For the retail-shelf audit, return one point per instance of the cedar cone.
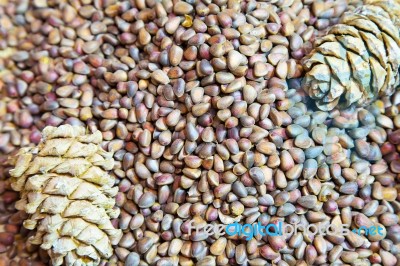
(358, 60)
(68, 194)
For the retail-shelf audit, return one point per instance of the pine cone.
(69, 196)
(359, 58)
